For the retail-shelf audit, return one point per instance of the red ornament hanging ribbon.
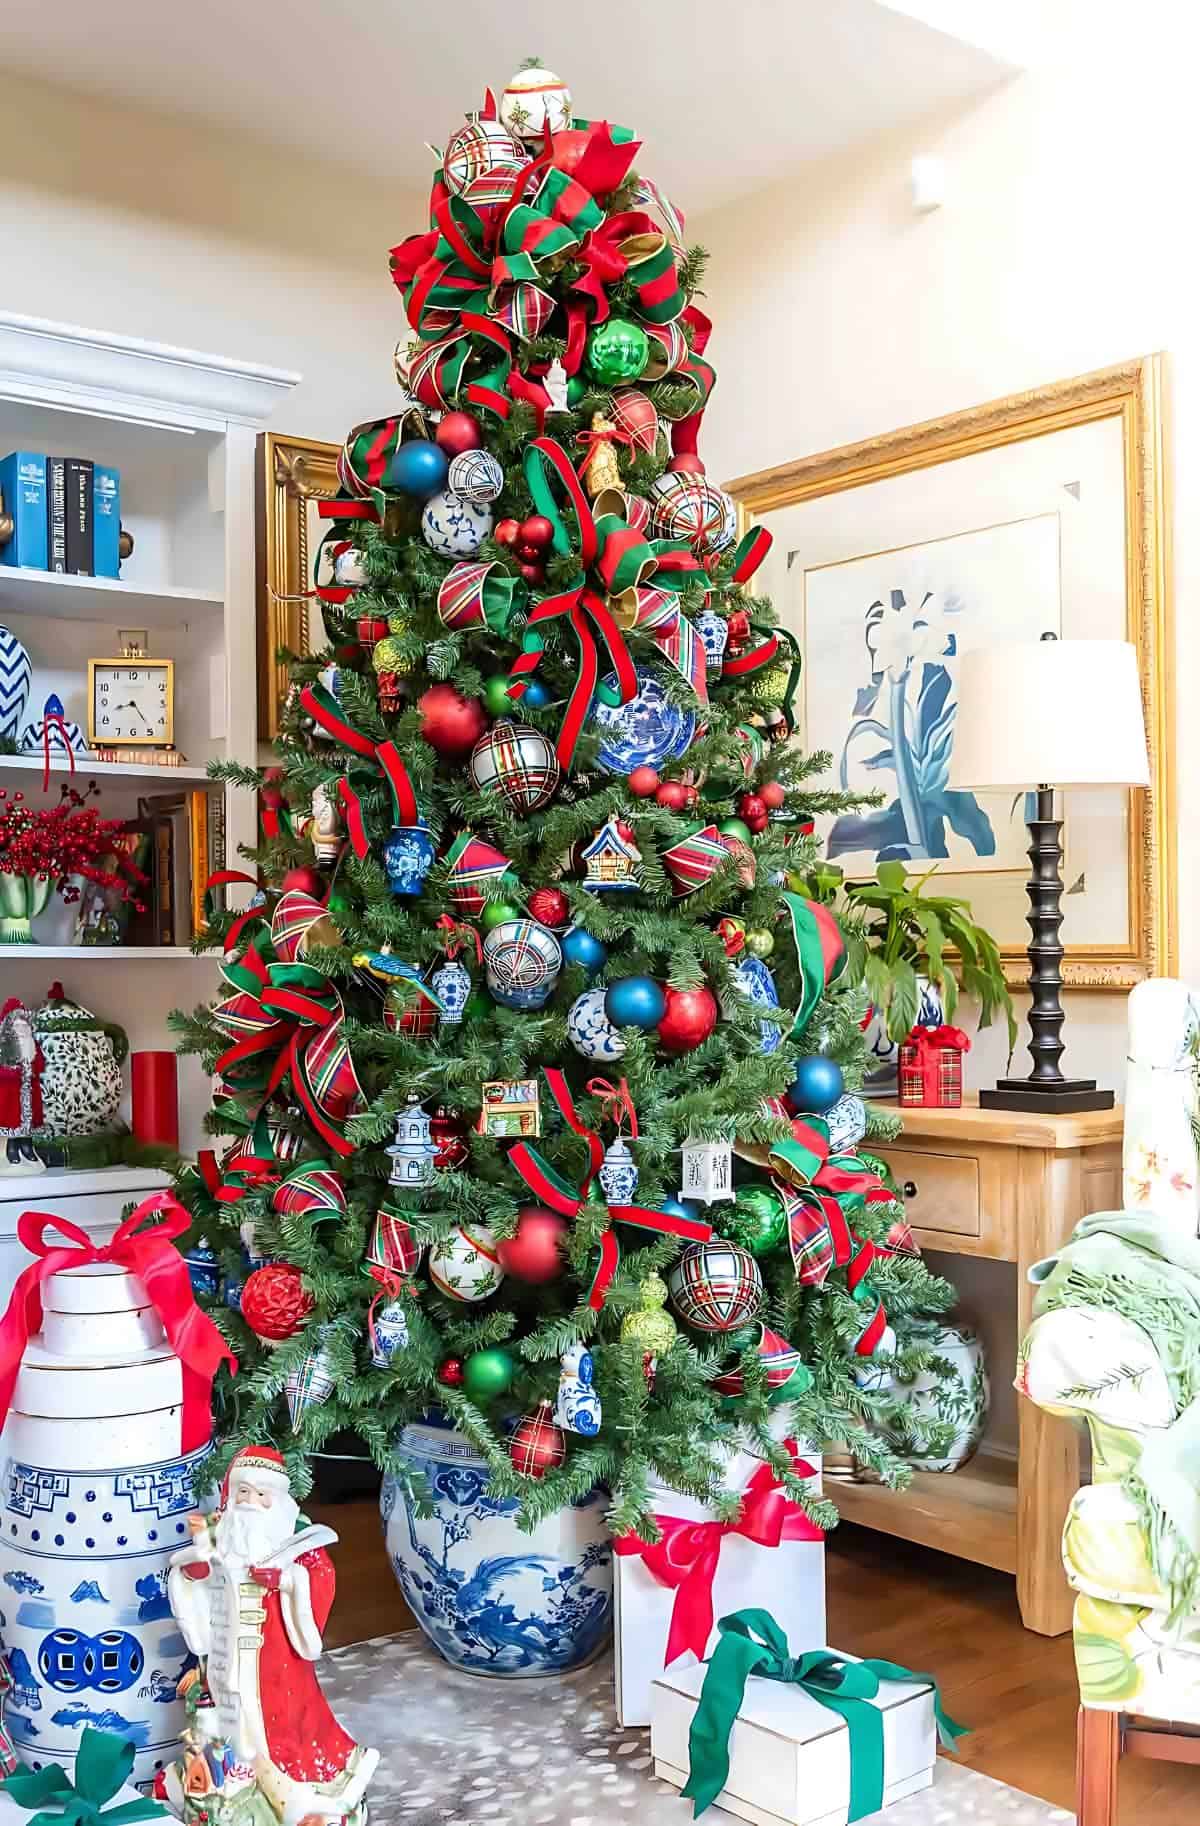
(616, 1104)
(148, 1251)
(687, 1554)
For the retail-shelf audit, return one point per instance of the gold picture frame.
(291, 473)
(1132, 394)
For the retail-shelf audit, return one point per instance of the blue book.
(106, 520)
(23, 486)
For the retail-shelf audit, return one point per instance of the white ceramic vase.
(936, 1421)
(95, 1500)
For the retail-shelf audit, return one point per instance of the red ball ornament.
(693, 796)
(772, 795)
(534, 1253)
(752, 811)
(527, 552)
(274, 1303)
(303, 880)
(625, 831)
(450, 1372)
(688, 463)
(450, 723)
(689, 1018)
(672, 796)
(506, 532)
(643, 782)
(448, 1132)
(537, 1445)
(550, 907)
(537, 531)
(533, 574)
(457, 432)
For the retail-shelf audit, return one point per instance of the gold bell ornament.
(650, 1325)
(599, 468)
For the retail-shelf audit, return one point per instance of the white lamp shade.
(1049, 713)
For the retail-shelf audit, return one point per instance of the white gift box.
(788, 1580)
(789, 1756)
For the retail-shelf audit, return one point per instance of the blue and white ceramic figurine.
(713, 630)
(413, 1152)
(408, 857)
(577, 1407)
(451, 983)
(54, 730)
(618, 1174)
(491, 1598)
(389, 1332)
(846, 1121)
(589, 1029)
(756, 983)
(645, 732)
(203, 1269)
(16, 681)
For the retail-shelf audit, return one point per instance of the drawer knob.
(910, 1188)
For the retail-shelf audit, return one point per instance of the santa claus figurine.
(252, 1594)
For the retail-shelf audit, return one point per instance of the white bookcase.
(180, 427)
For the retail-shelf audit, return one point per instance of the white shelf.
(87, 766)
(67, 1182)
(26, 592)
(107, 952)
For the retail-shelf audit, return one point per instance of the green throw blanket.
(1130, 1263)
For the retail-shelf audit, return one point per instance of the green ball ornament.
(735, 827)
(758, 1221)
(497, 911)
(488, 1374)
(617, 351)
(576, 388)
(760, 942)
(340, 906)
(496, 700)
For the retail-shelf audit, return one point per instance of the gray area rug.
(460, 1751)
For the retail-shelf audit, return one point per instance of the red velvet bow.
(151, 1255)
(934, 1039)
(687, 1554)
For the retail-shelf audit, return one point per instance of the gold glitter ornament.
(389, 656)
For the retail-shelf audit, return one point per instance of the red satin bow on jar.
(151, 1255)
(687, 1554)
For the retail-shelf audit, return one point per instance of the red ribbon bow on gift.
(935, 1039)
(687, 1554)
(151, 1255)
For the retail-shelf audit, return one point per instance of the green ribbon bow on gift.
(104, 1764)
(846, 1687)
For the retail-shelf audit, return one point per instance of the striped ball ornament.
(466, 1265)
(716, 1286)
(517, 763)
(690, 507)
(475, 475)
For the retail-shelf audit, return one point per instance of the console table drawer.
(940, 1191)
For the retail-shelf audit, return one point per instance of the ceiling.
(729, 94)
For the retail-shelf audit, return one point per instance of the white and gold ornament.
(466, 1265)
(534, 99)
(326, 830)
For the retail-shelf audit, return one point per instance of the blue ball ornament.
(536, 695)
(635, 1001)
(817, 1085)
(579, 947)
(418, 468)
(680, 1207)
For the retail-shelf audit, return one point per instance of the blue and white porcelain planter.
(492, 1599)
(883, 1052)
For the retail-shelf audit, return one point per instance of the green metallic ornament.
(760, 942)
(340, 907)
(758, 1221)
(488, 1374)
(576, 388)
(617, 351)
(497, 911)
(496, 700)
(734, 827)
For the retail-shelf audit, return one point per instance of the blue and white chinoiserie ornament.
(756, 983)
(389, 1332)
(618, 1173)
(846, 1121)
(53, 731)
(647, 731)
(589, 1029)
(522, 960)
(611, 861)
(455, 528)
(451, 983)
(491, 1598)
(413, 1153)
(713, 630)
(577, 1407)
(408, 857)
(16, 681)
(203, 1270)
(96, 1497)
(476, 476)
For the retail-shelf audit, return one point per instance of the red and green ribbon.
(326, 712)
(820, 953)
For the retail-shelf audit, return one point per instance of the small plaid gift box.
(931, 1068)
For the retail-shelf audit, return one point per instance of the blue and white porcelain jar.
(451, 983)
(492, 1599)
(408, 857)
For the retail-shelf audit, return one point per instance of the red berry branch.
(66, 840)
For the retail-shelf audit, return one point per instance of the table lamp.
(1043, 715)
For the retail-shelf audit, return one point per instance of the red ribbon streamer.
(151, 1255)
(688, 1553)
(53, 716)
(615, 1103)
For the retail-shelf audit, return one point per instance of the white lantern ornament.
(413, 1152)
(707, 1171)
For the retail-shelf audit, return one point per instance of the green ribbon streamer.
(104, 1764)
(751, 1642)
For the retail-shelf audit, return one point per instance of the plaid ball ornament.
(716, 1286)
(480, 162)
(537, 1445)
(687, 506)
(516, 762)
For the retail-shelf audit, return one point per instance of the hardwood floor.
(908, 1604)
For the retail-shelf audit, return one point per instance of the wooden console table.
(1011, 1187)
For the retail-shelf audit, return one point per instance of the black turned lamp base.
(1065, 1098)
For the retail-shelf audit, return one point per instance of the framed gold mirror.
(1041, 513)
(292, 475)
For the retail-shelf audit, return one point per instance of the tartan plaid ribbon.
(550, 1188)
(312, 1189)
(474, 595)
(325, 711)
(822, 1192)
(364, 458)
(657, 614)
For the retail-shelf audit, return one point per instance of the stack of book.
(66, 514)
(183, 834)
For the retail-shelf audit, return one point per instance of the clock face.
(132, 701)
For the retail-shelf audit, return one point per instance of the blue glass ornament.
(451, 983)
(681, 1207)
(817, 1085)
(536, 695)
(579, 947)
(635, 1001)
(418, 468)
(203, 1271)
(408, 857)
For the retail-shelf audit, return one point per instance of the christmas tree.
(529, 1027)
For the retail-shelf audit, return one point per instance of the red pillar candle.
(156, 1098)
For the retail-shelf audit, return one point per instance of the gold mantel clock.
(131, 700)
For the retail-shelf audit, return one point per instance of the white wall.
(132, 222)
(1066, 243)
